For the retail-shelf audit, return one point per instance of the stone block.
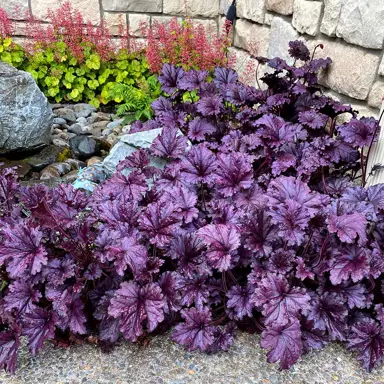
(114, 20)
(161, 19)
(132, 5)
(281, 34)
(268, 18)
(352, 71)
(251, 9)
(210, 26)
(193, 8)
(306, 16)
(138, 24)
(332, 9)
(252, 37)
(381, 67)
(16, 9)
(361, 23)
(40, 8)
(223, 6)
(377, 94)
(284, 7)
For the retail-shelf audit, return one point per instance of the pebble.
(75, 164)
(115, 123)
(94, 160)
(61, 168)
(84, 147)
(71, 176)
(60, 143)
(47, 156)
(49, 173)
(59, 121)
(76, 129)
(82, 121)
(66, 113)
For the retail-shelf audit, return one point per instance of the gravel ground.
(165, 362)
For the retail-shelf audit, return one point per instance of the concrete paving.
(165, 362)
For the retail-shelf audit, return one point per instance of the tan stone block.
(132, 5)
(353, 70)
(251, 9)
(252, 37)
(306, 16)
(89, 8)
(138, 24)
(192, 8)
(377, 94)
(16, 9)
(361, 23)
(114, 21)
(332, 9)
(284, 7)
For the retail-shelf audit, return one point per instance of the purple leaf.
(283, 342)
(135, 305)
(9, 345)
(169, 78)
(222, 241)
(39, 326)
(368, 339)
(350, 262)
(279, 301)
(239, 299)
(24, 250)
(195, 333)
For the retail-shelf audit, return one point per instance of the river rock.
(75, 164)
(84, 147)
(59, 121)
(83, 110)
(22, 168)
(25, 114)
(66, 113)
(47, 156)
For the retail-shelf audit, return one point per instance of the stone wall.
(352, 32)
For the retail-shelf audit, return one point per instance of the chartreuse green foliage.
(62, 77)
(136, 102)
(10, 52)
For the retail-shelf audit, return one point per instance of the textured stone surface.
(306, 16)
(25, 114)
(165, 362)
(192, 8)
(132, 5)
(129, 144)
(284, 7)
(113, 20)
(161, 19)
(376, 95)
(15, 8)
(252, 37)
(281, 34)
(381, 67)
(251, 9)
(361, 23)
(332, 10)
(352, 71)
(138, 24)
(91, 8)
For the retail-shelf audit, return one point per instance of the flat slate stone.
(165, 362)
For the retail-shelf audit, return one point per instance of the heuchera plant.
(188, 44)
(260, 222)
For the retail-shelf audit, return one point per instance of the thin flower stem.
(322, 250)
(323, 181)
(223, 278)
(307, 245)
(232, 277)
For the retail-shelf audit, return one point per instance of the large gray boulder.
(25, 114)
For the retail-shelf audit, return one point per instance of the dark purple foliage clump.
(261, 222)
